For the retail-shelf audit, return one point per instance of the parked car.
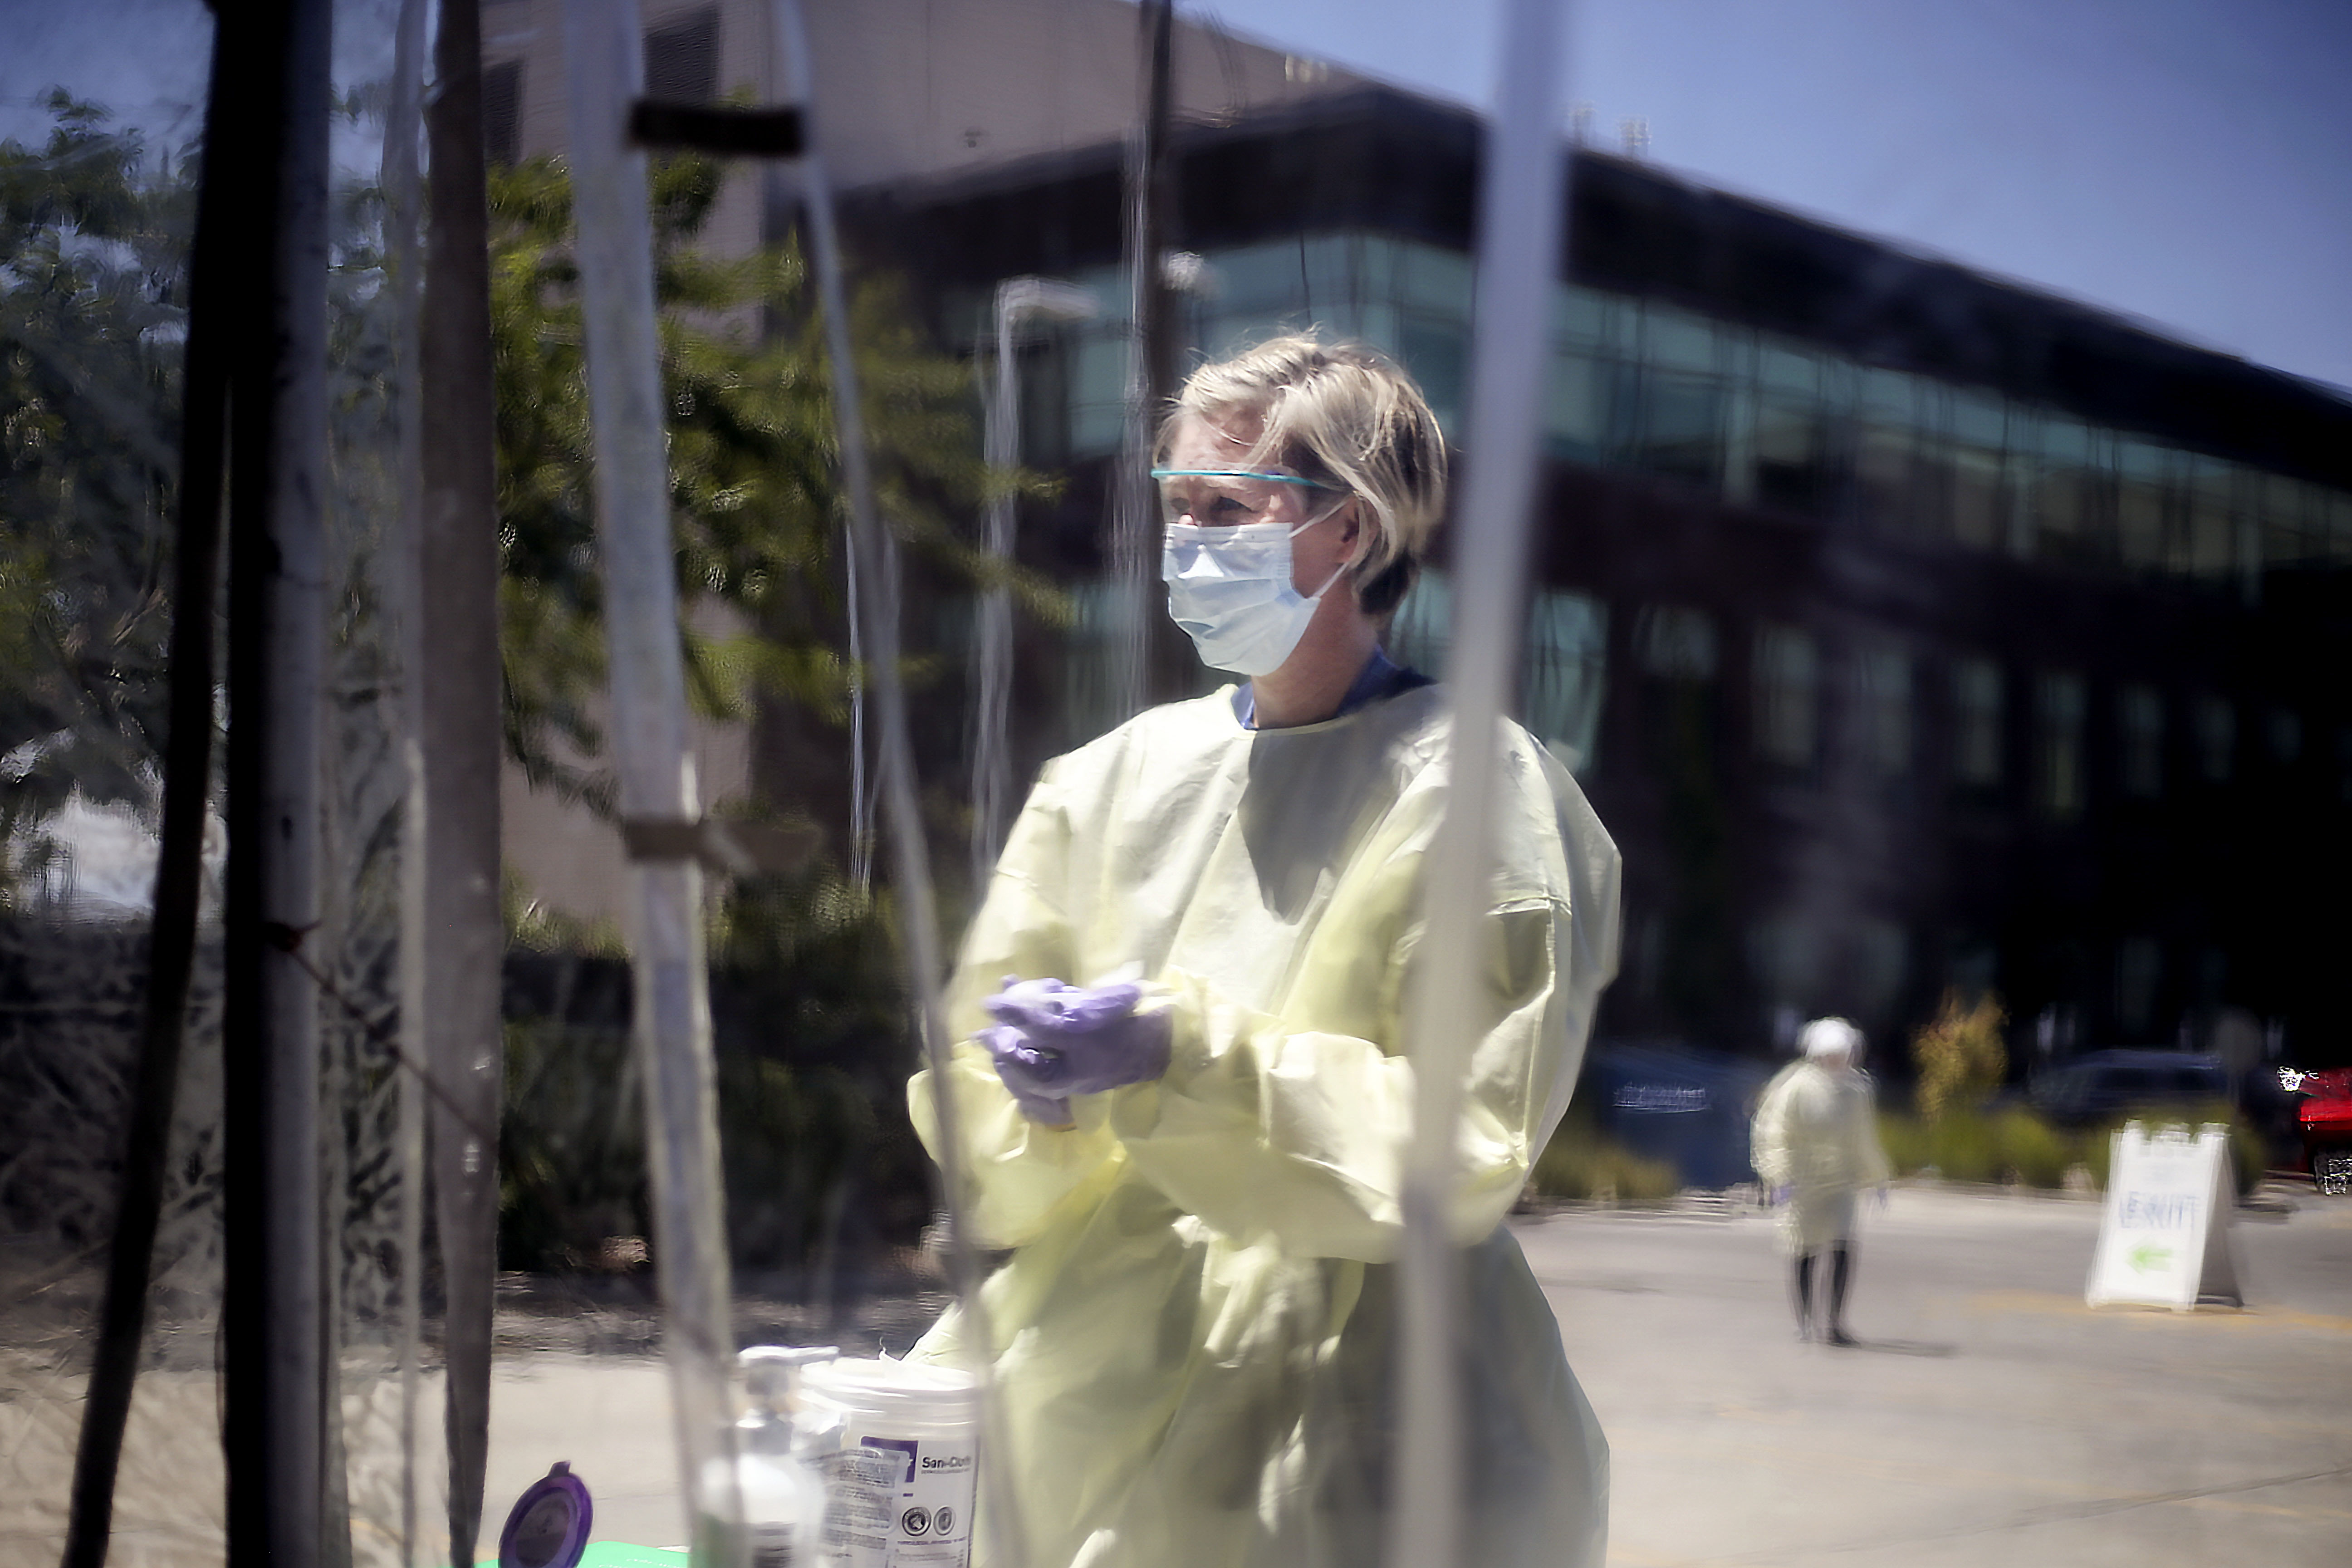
(2323, 1112)
(2100, 1085)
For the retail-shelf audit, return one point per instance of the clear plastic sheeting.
(94, 346)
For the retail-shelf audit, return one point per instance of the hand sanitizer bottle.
(781, 1496)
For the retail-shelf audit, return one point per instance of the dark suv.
(2105, 1084)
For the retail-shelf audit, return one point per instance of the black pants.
(1841, 1273)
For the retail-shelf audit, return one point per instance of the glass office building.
(1909, 629)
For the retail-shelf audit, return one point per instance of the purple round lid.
(549, 1526)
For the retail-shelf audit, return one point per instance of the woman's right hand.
(1053, 1040)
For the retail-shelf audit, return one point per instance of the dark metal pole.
(1152, 358)
(277, 1397)
(457, 675)
(401, 565)
(179, 867)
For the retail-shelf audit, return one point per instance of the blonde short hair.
(1343, 416)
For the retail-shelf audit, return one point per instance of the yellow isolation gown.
(1193, 1334)
(1816, 1134)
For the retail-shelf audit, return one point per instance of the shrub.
(1964, 1147)
(2030, 1151)
(1959, 1057)
(1969, 1146)
(1582, 1162)
(1904, 1139)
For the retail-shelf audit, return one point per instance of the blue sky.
(2188, 162)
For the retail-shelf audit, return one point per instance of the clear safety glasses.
(1224, 498)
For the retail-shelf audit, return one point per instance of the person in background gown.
(1816, 1149)
(1181, 1076)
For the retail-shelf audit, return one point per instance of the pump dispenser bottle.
(782, 1494)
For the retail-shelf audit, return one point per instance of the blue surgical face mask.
(1230, 588)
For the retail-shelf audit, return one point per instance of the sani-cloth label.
(900, 1502)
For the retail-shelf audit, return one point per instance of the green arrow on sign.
(2148, 1256)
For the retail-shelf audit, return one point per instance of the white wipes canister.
(899, 1487)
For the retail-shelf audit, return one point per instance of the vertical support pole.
(875, 559)
(458, 683)
(603, 45)
(993, 630)
(1135, 500)
(179, 864)
(1519, 220)
(404, 226)
(278, 1399)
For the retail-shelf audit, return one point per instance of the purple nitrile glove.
(1053, 1040)
(1780, 1194)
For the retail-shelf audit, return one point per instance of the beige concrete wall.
(908, 88)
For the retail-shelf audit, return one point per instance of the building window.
(1576, 418)
(2217, 739)
(1421, 633)
(1886, 484)
(502, 114)
(2295, 523)
(2139, 966)
(2286, 737)
(682, 59)
(1784, 952)
(2142, 536)
(1436, 350)
(2140, 718)
(1976, 723)
(1882, 681)
(1787, 695)
(1792, 434)
(1091, 705)
(1882, 961)
(1565, 675)
(2058, 702)
(1973, 475)
(2212, 529)
(1676, 643)
(1681, 432)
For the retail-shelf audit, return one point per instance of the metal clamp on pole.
(774, 132)
(740, 848)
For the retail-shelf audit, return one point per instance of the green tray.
(619, 1554)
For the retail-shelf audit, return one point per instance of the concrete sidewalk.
(1992, 1420)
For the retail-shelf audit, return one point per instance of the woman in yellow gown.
(1195, 1150)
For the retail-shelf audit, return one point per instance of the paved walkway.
(1993, 1420)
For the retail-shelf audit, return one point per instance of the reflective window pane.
(2216, 736)
(1976, 723)
(2139, 720)
(1565, 674)
(1882, 710)
(1787, 696)
(2058, 704)
(1678, 339)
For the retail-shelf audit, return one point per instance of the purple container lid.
(549, 1526)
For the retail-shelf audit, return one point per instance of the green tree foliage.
(758, 516)
(94, 243)
(1960, 1056)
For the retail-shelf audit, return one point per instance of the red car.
(2324, 1111)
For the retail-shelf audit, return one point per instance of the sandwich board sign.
(2164, 1240)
